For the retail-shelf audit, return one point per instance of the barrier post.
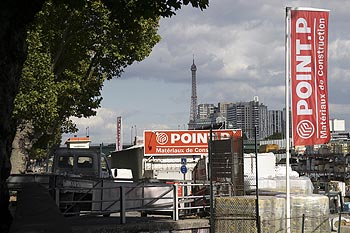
(57, 197)
(339, 222)
(122, 205)
(303, 224)
(176, 203)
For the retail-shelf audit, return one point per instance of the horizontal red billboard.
(183, 142)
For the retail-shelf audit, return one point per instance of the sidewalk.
(37, 212)
(89, 224)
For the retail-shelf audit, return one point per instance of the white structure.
(266, 165)
(78, 142)
(337, 125)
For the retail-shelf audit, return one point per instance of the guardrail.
(177, 200)
(74, 195)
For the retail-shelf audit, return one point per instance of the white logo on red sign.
(305, 129)
(161, 138)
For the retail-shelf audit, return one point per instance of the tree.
(16, 16)
(71, 53)
(35, 103)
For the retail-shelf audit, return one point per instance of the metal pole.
(303, 224)
(185, 191)
(131, 143)
(341, 201)
(339, 223)
(257, 183)
(211, 180)
(122, 205)
(57, 196)
(287, 73)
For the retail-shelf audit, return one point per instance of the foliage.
(37, 98)
(150, 8)
(73, 47)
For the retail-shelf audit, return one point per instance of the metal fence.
(237, 206)
(231, 213)
(238, 211)
(249, 210)
(104, 197)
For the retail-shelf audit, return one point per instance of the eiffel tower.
(193, 110)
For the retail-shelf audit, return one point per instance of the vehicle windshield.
(84, 162)
(66, 161)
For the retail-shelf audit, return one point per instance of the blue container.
(346, 207)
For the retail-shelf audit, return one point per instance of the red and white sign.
(309, 45)
(76, 143)
(183, 142)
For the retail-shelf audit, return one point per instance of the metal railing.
(105, 198)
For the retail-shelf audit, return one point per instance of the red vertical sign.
(119, 141)
(309, 42)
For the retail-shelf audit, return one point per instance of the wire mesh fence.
(231, 217)
(238, 214)
(248, 210)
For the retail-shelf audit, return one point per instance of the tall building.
(193, 109)
(222, 107)
(231, 116)
(253, 115)
(248, 116)
(275, 122)
(205, 111)
(263, 121)
(204, 116)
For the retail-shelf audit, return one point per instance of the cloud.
(239, 51)
(102, 126)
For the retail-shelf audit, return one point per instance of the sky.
(239, 50)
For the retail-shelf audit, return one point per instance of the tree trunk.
(21, 144)
(15, 16)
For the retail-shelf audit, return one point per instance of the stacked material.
(277, 185)
(298, 185)
(238, 214)
(316, 210)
